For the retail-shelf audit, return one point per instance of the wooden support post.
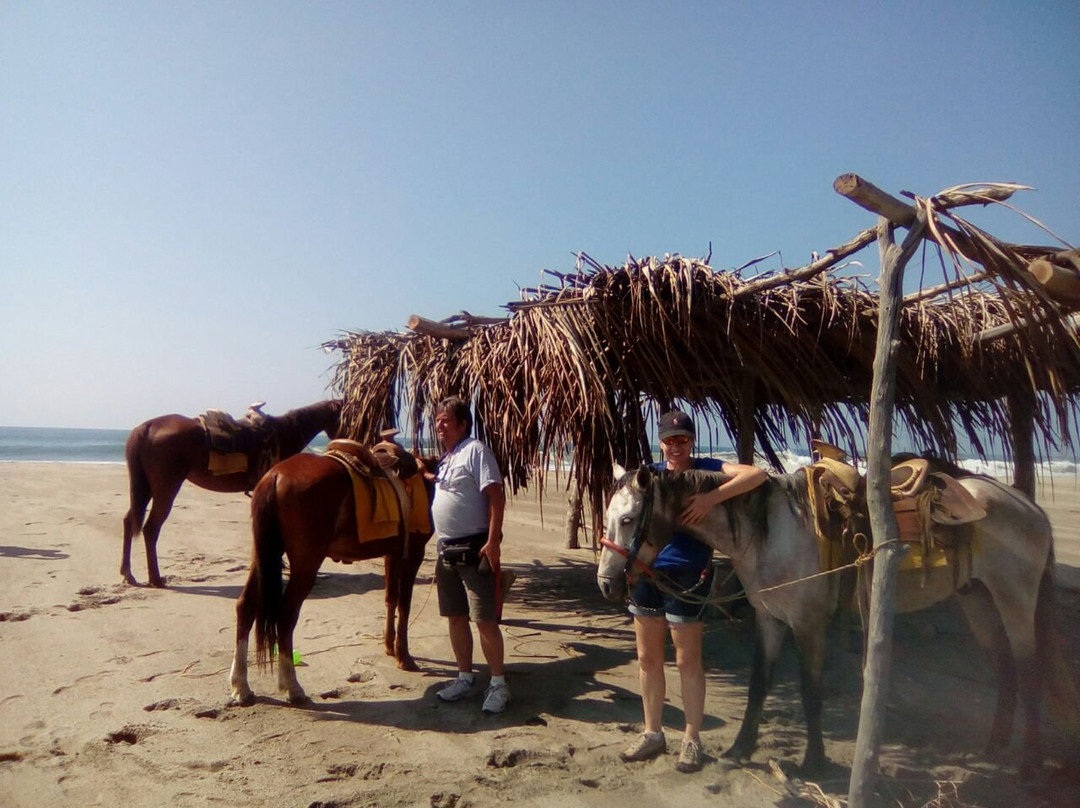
(882, 518)
(574, 513)
(1021, 404)
(745, 439)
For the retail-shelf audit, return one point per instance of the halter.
(635, 542)
(661, 581)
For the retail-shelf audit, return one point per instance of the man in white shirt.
(468, 515)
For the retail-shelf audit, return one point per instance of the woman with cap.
(685, 565)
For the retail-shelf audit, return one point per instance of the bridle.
(640, 529)
(663, 582)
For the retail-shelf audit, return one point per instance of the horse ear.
(643, 477)
(618, 471)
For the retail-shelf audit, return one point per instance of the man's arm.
(496, 499)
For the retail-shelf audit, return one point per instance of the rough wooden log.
(745, 438)
(867, 195)
(1059, 283)
(1004, 330)
(934, 291)
(1021, 404)
(882, 518)
(831, 257)
(422, 325)
(574, 513)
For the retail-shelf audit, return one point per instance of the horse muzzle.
(612, 588)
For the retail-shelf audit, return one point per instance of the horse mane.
(752, 507)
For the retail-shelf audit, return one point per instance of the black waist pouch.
(463, 551)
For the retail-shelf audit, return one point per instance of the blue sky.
(195, 195)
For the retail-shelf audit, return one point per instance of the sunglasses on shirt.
(676, 440)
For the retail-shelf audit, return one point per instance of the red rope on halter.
(639, 565)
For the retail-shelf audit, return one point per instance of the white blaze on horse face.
(620, 520)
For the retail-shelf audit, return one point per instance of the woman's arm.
(742, 478)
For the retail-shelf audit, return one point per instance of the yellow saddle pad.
(231, 463)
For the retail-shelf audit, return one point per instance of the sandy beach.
(117, 695)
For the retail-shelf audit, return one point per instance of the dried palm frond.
(573, 377)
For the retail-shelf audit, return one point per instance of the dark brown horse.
(305, 508)
(165, 451)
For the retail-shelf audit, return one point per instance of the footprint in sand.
(164, 704)
(130, 734)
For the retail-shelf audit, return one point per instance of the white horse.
(770, 537)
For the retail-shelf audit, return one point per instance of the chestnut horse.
(304, 508)
(165, 451)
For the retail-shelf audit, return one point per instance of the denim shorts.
(648, 600)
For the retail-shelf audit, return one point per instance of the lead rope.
(688, 595)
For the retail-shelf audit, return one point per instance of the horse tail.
(138, 481)
(266, 567)
(1061, 692)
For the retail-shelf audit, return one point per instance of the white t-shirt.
(460, 508)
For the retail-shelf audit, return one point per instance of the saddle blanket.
(228, 463)
(379, 505)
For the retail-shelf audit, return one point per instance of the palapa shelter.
(578, 369)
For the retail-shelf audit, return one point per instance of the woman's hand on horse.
(698, 507)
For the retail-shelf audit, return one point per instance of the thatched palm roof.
(566, 375)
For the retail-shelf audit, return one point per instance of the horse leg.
(245, 617)
(301, 580)
(770, 640)
(982, 617)
(810, 644)
(139, 498)
(405, 579)
(1020, 628)
(159, 512)
(391, 565)
(132, 522)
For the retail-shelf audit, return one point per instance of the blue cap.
(676, 423)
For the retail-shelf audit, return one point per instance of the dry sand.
(116, 695)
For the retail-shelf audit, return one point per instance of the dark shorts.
(465, 590)
(648, 600)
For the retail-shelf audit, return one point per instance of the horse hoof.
(245, 700)
(299, 699)
(736, 755)
(157, 583)
(812, 769)
(408, 664)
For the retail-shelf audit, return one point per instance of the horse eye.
(626, 520)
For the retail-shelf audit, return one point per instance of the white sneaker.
(455, 690)
(496, 698)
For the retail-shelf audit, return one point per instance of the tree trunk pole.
(574, 513)
(882, 518)
(1021, 406)
(745, 439)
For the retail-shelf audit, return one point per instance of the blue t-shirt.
(684, 550)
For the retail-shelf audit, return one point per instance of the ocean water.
(43, 444)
